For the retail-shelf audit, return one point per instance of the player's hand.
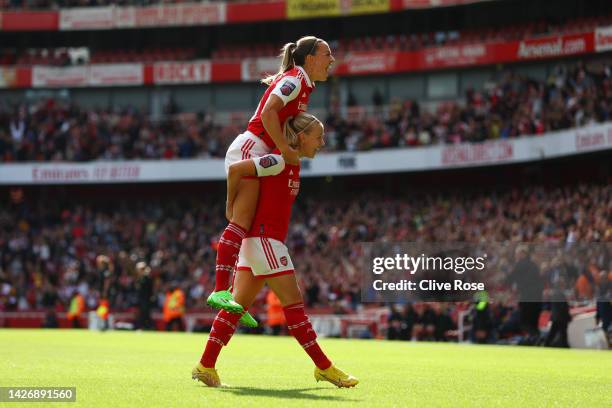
(229, 210)
(291, 155)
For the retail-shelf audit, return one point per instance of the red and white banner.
(87, 18)
(593, 138)
(465, 55)
(170, 15)
(422, 4)
(90, 75)
(182, 72)
(603, 39)
(254, 69)
(111, 172)
(371, 62)
(116, 74)
(48, 77)
(439, 157)
(72, 173)
(472, 153)
(552, 47)
(458, 55)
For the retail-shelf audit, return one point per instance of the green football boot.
(248, 320)
(223, 299)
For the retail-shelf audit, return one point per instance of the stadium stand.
(414, 42)
(52, 251)
(51, 236)
(224, 52)
(513, 105)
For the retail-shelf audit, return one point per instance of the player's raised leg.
(242, 213)
(246, 287)
(288, 292)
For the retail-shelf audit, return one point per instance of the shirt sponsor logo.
(294, 186)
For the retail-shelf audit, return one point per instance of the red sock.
(227, 254)
(300, 328)
(222, 330)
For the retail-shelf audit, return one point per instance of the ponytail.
(293, 54)
(298, 124)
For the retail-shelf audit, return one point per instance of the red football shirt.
(276, 197)
(294, 88)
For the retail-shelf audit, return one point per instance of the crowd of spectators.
(510, 106)
(55, 131)
(48, 249)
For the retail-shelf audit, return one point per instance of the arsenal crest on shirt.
(283, 260)
(267, 161)
(287, 87)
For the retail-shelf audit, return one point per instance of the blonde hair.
(293, 54)
(295, 125)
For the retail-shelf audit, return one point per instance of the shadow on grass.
(296, 393)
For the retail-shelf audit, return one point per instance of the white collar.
(308, 81)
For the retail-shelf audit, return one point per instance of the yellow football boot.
(335, 376)
(208, 376)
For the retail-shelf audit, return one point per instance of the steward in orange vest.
(77, 306)
(174, 309)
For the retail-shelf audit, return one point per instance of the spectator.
(560, 318)
(146, 299)
(526, 276)
(400, 322)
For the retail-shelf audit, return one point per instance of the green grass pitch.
(127, 369)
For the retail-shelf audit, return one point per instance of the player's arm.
(285, 91)
(268, 165)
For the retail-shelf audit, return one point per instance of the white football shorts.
(265, 257)
(245, 146)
